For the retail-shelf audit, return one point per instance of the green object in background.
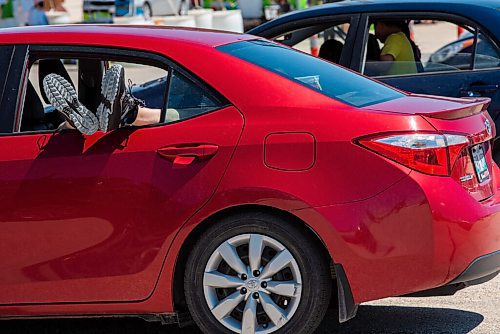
(302, 4)
(231, 4)
(8, 10)
(101, 16)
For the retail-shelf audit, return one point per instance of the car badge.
(488, 127)
(466, 178)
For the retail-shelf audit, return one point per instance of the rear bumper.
(480, 270)
(422, 233)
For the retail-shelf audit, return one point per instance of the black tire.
(311, 260)
(183, 7)
(147, 11)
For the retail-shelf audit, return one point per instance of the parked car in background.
(468, 67)
(252, 205)
(129, 8)
(164, 7)
(457, 53)
(98, 11)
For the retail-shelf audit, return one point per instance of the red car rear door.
(90, 218)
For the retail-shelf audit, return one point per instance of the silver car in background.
(164, 7)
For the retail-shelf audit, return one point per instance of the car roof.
(391, 4)
(362, 6)
(483, 11)
(103, 35)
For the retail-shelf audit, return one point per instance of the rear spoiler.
(472, 106)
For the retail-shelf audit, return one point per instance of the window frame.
(34, 51)
(363, 32)
(490, 40)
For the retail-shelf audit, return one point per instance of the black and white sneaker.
(130, 105)
(112, 88)
(63, 98)
(118, 106)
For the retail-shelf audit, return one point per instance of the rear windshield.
(319, 75)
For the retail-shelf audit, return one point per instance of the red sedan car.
(280, 179)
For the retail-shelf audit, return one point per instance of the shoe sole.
(63, 97)
(109, 89)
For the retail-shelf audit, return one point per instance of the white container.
(58, 17)
(271, 12)
(74, 8)
(229, 20)
(133, 20)
(203, 18)
(175, 21)
(251, 9)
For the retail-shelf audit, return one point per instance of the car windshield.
(312, 72)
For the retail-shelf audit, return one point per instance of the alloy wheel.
(252, 284)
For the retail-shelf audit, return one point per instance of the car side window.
(146, 83)
(418, 47)
(152, 84)
(487, 53)
(189, 98)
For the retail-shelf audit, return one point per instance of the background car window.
(148, 83)
(324, 40)
(321, 76)
(443, 47)
(487, 53)
(189, 98)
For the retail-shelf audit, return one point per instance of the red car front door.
(90, 218)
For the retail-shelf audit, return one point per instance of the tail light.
(429, 153)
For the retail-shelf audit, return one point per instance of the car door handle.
(187, 154)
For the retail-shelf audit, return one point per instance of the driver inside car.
(118, 107)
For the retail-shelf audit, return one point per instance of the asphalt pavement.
(474, 310)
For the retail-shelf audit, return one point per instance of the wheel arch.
(180, 265)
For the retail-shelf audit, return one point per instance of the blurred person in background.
(284, 6)
(399, 55)
(36, 15)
